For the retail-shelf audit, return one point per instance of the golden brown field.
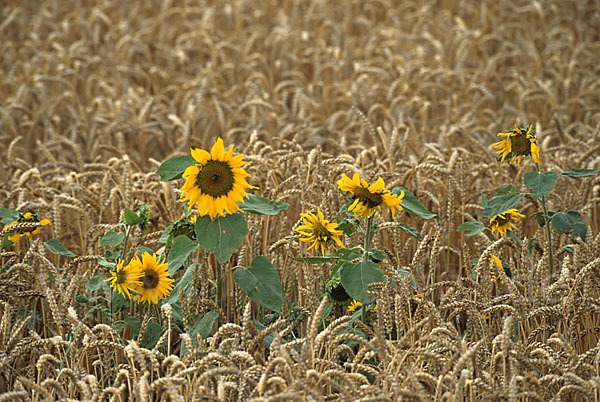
(95, 95)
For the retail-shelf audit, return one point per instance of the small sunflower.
(323, 233)
(368, 198)
(27, 217)
(501, 223)
(155, 282)
(126, 279)
(354, 306)
(518, 143)
(495, 271)
(217, 182)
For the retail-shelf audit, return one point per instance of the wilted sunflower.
(126, 279)
(323, 233)
(501, 223)
(216, 183)
(518, 143)
(155, 282)
(354, 306)
(27, 217)
(368, 198)
(495, 270)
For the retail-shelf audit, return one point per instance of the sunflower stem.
(548, 231)
(122, 258)
(368, 236)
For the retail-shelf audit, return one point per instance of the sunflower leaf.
(173, 168)
(131, 218)
(95, 283)
(501, 203)
(412, 205)
(540, 183)
(222, 235)
(406, 227)
(473, 228)
(152, 335)
(182, 283)
(111, 238)
(571, 221)
(260, 281)
(357, 277)
(204, 325)
(262, 206)
(8, 215)
(56, 247)
(181, 249)
(578, 173)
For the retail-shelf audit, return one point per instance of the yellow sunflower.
(354, 306)
(155, 282)
(28, 217)
(495, 271)
(126, 279)
(217, 182)
(323, 233)
(501, 223)
(518, 143)
(368, 198)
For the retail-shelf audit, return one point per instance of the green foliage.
(473, 228)
(407, 228)
(222, 235)
(262, 206)
(412, 205)
(96, 283)
(357, 277)
(135, 323)
(112, 239)
(579, 173)
(570, 222)
(131, 218)
(56, 247)
(540, 183)
(181, 249)
(173, 168)
(501, 203)
(203, 326)
(152, 335)
(182, 283)
(8, 215)
(260, 281)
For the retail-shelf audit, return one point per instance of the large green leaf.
(412, 205)
(181, 248)
(571, 221)
(473, 228)
(406, 227)
(357, 277)
(204, 325)
(131, 218)
(152, 335)
(262, 206)
(95, 283)
(222, 235)
(111, 238)
(56, 247)
(173, 168)
(182, 283)
(501, 203)
(8, 215)
(260, 281)
(540, 183)
(578, 173)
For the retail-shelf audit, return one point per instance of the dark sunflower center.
(215, 178)
(121, 277)
(150, 279)
(320, 232)
(371, 200)
(502, 221)
(520, 145)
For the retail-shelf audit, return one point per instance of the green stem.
(122, 258)
(369, 232)
(548, 231)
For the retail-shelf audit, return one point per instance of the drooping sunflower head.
(125, 279)
(155, 282)
(216, 183)
(354, 306)
(368, 198)
(27, 217)
(319, 231)
(517, 143)
(501, 223)
(495, 267)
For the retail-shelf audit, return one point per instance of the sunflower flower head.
(155, 282)
(501, 223)
(354, 306)
(319, 231)
(216, 183)
(125, 279)
(27, 217)
(495, 267)
(368, 198)
(517, 143)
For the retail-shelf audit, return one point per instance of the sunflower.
(125, 280)
(518, 143)
(217, 182)
(323, 233)
(28, 217)
(501, 223)
(353, 306)
(494, 271)
(368, 198)
(155, 282)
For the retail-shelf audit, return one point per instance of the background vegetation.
(94, 95)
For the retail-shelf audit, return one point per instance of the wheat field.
(95, 95)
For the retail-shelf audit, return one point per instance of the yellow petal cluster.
(368, 198)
